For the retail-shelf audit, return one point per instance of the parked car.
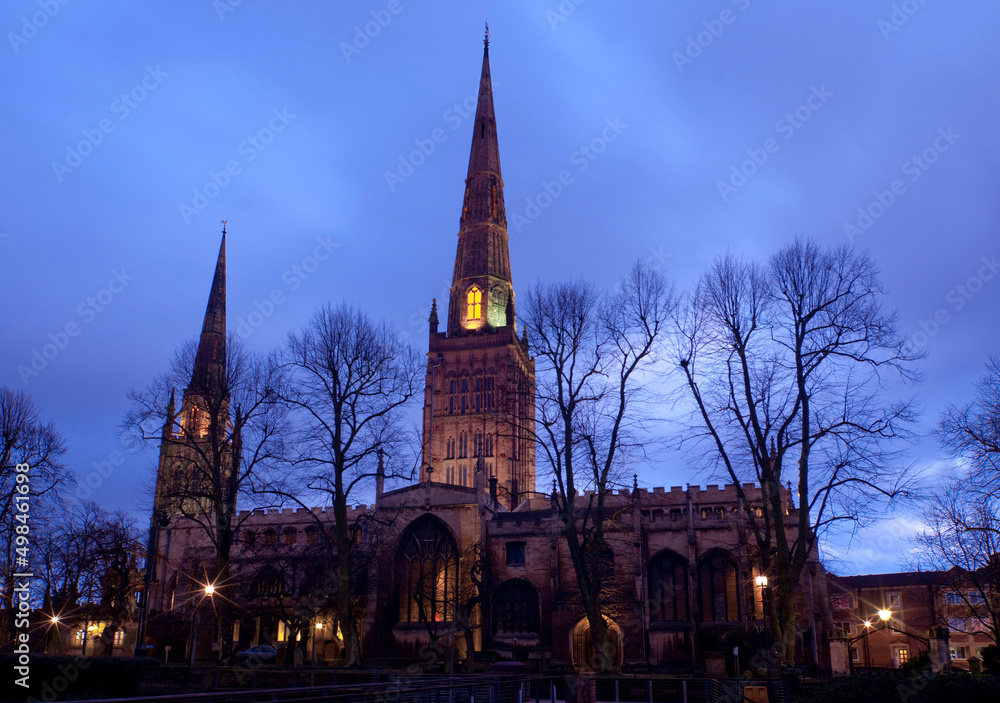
(262, 652)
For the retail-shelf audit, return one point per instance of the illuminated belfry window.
(475, 301)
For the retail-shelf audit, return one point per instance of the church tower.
(193, 442)
(479, 407)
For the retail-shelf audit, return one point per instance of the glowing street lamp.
(885, 614)
(761, 581)
(209, 589)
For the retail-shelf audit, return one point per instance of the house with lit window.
(923, 610)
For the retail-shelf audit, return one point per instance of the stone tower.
(479, 407)
(192, 439)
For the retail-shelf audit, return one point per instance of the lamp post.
(761, 582)
(319, 626)
(884, 616)
(209, 591)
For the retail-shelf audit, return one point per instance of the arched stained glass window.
(668, 588)
(515, 608)
(475, 301)
(428, 573)
(718, 591)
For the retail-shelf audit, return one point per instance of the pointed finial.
(224, 223)
(486, 39)
(433, 319)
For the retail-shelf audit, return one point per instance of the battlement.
(278, 516)
(712, 493)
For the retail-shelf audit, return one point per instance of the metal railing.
(375, 686)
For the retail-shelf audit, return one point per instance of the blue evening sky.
(130, 129)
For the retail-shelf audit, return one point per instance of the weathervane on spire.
(486, 39)
(224, 223)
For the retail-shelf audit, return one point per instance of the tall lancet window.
(428, 573)
(475, 300)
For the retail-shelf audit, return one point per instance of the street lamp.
(761, 581)
(885, 614)
(209, 590)
(319, 626)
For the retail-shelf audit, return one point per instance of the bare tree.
(216, 459)
(593, 353)
(972, 432)
(24, 440)
(963, 534)
(787, 367)
(88, 566)
(350, 381)
(963, 539)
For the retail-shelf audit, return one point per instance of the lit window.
(842, 602)
(119, 637)
(475, 300)
(959, 653)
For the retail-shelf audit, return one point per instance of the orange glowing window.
(475, 300)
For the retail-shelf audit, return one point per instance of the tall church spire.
(210, 363)
(482, 284)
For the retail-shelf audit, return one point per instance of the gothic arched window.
(718, 592)
(515, 608)
(475, 302)
(668, 588)
(428, 573)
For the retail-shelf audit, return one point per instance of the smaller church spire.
(168, 422)
(433, 319)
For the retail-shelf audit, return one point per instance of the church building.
(475, 563)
